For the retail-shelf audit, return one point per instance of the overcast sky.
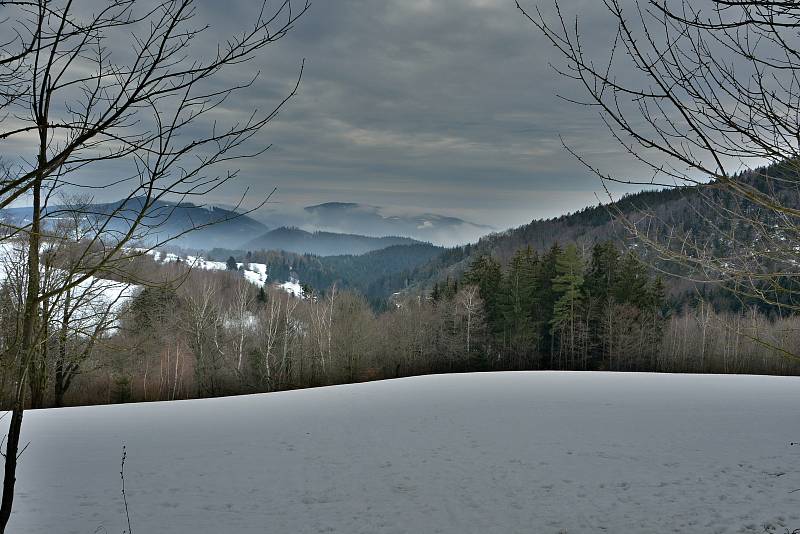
(439, 105)
(446, 106)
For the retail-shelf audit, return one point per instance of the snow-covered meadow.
(93, 304)
(255, 273)
(532, 452)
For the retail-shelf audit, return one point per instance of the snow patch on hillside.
(293, 286)
(94, 302)
(526, 452)
(255, 273)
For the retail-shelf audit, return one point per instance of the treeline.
(602, 310)
(188, 334)
(565, 310)
(216, 334)
(376, 274)
(722, 224)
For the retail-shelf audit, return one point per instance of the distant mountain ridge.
(229, 227)
(292, 239)
(364, 218)
(165, 220)
(375, 221)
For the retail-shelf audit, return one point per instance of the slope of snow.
(95, 301)
(537, 452)
(99, 300)
(255, 273)
(292, 286)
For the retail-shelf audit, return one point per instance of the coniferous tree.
(544, 297)
(602, 274)
(655, 317)
(629, 320)
(601, 280)
(455, 288)
(231, 264)
(567, 321)
(631, 283)
(486, 274)
(515, 302)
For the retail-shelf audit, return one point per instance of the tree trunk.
(58, 400)
(25, 354)
(27, 346)
(37, 373)
(10, 477)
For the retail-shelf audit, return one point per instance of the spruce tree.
(515, 300)
(485, 273)
(566, 322)
(631, 284)
(601, 281)
(544, 297)
(655, 315)
(603, 270)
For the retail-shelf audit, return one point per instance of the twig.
(19, 455)
(124, 497)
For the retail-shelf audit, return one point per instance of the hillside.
(470, 453)
(165, 220)
(292, 239)
(700, 211)
(380, 273)
(586, 227)
(375, 274)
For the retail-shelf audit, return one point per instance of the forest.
(188, 333)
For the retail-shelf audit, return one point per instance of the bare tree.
(352, 322)
(470, 305)
(242, 318)
(124, 85)
(290, 333)
(321, 311)
(204, 324)
(269, 321)
(703, 96)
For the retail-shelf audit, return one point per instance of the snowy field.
(255, 273)
(95, 302)
(530, 453)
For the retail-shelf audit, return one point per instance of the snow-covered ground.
(98, 302)
(255, 273)
(95, 302)
(293, 286)
(537, 452)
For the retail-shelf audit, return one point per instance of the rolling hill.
(291, 239)
(164, 221)
(515, 452)
(376, 221)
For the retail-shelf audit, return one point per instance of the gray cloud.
(446, 106)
